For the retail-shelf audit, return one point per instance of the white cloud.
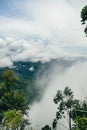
(47, 28)
(31, 50)
(31, 68)
(45, 19)
(5, 62)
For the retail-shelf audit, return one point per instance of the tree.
(9, 78)
(64, 100)
(11, 101)
(84, 17)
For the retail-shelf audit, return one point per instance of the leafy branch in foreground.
(13, 119)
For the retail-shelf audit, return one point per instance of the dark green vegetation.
(79, 115)
(47, 127)
(13, 103)
(84, 17)
(26, 82)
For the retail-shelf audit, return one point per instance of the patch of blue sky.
(9, 9)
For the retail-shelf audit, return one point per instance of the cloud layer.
(41, 30)
(31, 50)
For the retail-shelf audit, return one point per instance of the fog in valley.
(57, 78)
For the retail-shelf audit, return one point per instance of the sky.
(40, 30)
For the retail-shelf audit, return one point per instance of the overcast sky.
(40, 30)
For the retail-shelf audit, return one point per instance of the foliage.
(82, 123)
(54, 124)
(9, 78)
(84, 14)
(26, 86)
(12, 102)
(46, 127)
(13, 119)
(84, 17)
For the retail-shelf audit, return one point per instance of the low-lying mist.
(58, 76)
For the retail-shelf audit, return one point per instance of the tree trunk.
(70, 128)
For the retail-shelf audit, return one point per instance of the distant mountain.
(31, 69)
